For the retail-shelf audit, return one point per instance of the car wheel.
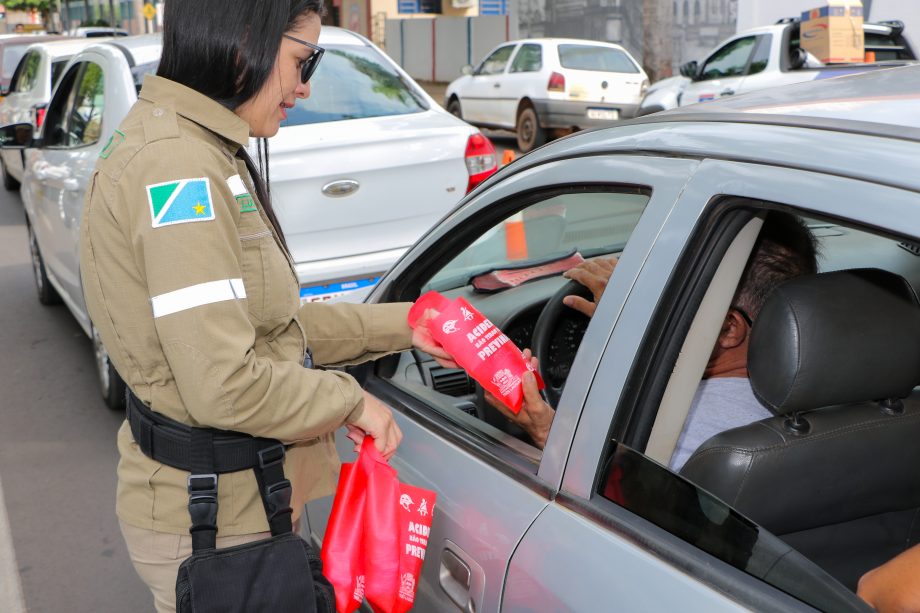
(529, 133)
(111, 384)
(47, 295)
(453, 107)
(9, 182)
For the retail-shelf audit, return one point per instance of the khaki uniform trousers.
(157, 556)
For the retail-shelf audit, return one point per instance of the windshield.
(591, 223)
(353, 82)
(590, 57)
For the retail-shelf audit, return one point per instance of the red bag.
(377, 535)
(477, 345)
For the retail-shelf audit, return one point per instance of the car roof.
(565, 41)
(28, 39)
(331, 35)
(65, 47)
(883, 102)
(143, 48)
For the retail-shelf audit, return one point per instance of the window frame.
(728, 45)
(478, 72)
(59, 105)
(21, 71)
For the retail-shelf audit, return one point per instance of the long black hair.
(226, 49)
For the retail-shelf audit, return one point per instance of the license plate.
(612, 114)
(323, 293)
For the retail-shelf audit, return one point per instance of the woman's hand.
(422, 340)
(376, 421)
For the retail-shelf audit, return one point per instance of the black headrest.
(836, 338)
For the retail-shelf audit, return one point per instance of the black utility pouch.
(282, 574)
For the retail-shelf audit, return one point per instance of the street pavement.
(57, 454)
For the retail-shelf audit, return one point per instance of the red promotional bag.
(477, 345)
(377, 535)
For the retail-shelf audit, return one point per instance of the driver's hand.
(422, 340)
(536, 416)
(593, 274)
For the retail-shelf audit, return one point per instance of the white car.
(535, 85)
(358, 172)
(364, 166)
(30, 90)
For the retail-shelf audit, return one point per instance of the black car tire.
(111, 385)
(9, 183)
(529, 133)
(47, 295)
(453, 107)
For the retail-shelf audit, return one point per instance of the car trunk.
(409, 171)
(603, 87)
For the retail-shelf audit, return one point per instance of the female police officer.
(188, 280)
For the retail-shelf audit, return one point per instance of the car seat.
(836, 473)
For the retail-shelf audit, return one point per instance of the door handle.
(727, 92)
(454, 576)
(497, 85)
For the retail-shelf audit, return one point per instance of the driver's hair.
(784, 249)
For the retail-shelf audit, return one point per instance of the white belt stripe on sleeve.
(197, 295)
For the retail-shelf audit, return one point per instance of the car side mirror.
(467, 70)
(690, 69)
(17, 136)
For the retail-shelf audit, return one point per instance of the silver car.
(782, 515)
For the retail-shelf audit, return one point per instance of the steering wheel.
(554, 315)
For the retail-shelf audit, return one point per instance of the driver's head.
(784, 249)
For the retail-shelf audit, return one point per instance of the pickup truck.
(769, 56)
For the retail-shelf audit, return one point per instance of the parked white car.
(358, 172)
(535, 85)
(30, 91)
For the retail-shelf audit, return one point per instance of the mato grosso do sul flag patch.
(182, 201)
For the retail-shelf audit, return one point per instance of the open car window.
(802, 496)
(509, 272)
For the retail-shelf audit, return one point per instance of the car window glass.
(495, 63)
(85, 120)
(353, 83)
(56, 69)
(591, 57)
(54, 128)
(730, 60)
(11, 56)
(761, 55)
(27, 72)
(555, 228)
(529, 58)
(815, 560)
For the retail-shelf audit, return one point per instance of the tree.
(657, 38)
(44, 7)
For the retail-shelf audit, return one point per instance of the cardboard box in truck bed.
(834, 33)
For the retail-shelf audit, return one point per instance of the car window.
(555, 228)
(54, 128)
(27, 72)
(11, 56)
(56, 69)
(496, 62)
(761, 55)
(84, 121)
(355, 82)
(529, 58)
(140, 71)
(730, 60)
(591, 57)
(816, 560)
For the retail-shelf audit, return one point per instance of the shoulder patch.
(117, 138)
(240, 193)
(181, 201)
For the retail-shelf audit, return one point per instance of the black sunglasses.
(310, 64)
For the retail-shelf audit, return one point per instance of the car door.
(522, 79)
(722, 73)
(74, 133)
(491, 486)
(624, 521)
(484, 90)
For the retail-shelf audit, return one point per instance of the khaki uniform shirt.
(198, 306)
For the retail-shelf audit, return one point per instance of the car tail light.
(40, 116)
(480, 160)
(556, 83)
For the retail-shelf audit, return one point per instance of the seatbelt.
(206, 453)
